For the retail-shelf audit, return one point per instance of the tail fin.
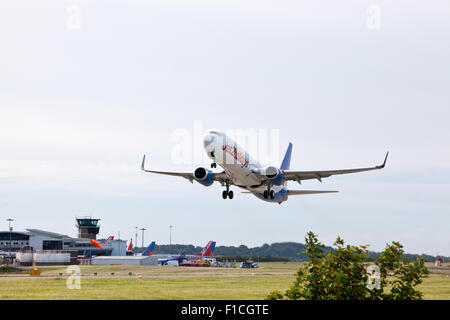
(110, 238)
(130, 244)
(213, 247)
(149, 251)
(287, 158)
(206, 251)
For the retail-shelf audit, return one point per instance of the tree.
(343, 274)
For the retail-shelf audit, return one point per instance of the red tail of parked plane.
(208, 250)
(130, 245)
(110, 238)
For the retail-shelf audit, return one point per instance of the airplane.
(89, 254)
(207, 251)
(106, 242)
(239, 169)
(129, 251)
(179, 259)
(149, 251)
(130, 245)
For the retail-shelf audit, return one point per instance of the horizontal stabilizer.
(298, 192)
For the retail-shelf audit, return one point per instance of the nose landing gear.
(214, 164)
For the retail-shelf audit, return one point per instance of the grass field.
(157, 282)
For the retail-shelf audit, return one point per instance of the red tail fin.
(206, 251)
(110, 238)
(130, 245)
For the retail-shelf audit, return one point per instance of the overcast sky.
(81, 100)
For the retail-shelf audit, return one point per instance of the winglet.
(143, 163)
(384, 163)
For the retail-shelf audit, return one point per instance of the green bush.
(341, 274)
(6, 268)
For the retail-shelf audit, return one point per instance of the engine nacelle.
(204, 176)
(274, 175)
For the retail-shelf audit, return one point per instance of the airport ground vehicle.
(249, 264)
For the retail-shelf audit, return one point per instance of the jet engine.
(204, 176)
(274, 176)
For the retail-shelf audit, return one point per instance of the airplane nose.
(208, 139)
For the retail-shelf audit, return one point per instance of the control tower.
(88, 228)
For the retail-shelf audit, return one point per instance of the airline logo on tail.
(208, 250)
(130, 245)
(149, 251)
(110, 238)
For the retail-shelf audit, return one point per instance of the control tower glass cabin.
(88, 228)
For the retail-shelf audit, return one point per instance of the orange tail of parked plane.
(208, 250)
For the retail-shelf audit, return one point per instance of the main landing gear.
(269, 193)
(227, 193)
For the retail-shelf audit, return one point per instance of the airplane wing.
(221, 176)
(306, 175)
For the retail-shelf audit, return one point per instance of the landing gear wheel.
(224, 194)
(230, 194)
(213, 165)
(266, 194)
(272, 194)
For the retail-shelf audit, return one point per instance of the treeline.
(285, 251)
(280, 251)
(252, 258)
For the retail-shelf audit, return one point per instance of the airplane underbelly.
(240, 176)
(262, 188)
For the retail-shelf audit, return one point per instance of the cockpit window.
(215, 132)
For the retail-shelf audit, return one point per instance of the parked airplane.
(239, 169)
(149, 251)
(106, 242)
(207, 251)
(130, 245)
(179, 259)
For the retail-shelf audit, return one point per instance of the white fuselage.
(235, 161)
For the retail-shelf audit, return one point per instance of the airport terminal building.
(45, 240)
